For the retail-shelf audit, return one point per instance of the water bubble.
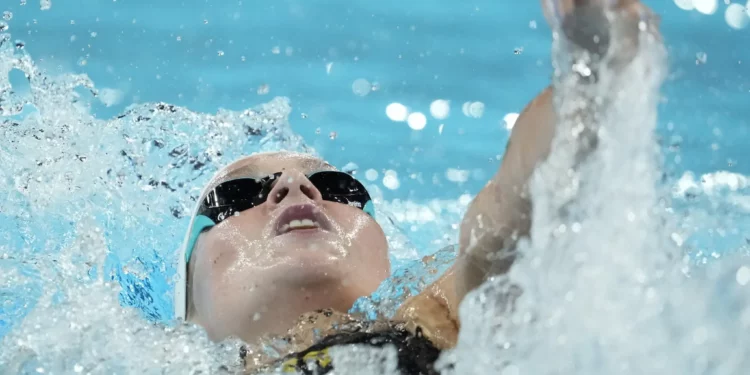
(264, 89)
(743, 276)
(397, 112)
(350, 167)
(417, 121)
(7, 15)
(532, 25)
(20, 44)
(476, 109)
(737, 16)
(220, 53)
(457, 175)
(3, 26)
(276, 50)
(332, 136)
(706, 6)
(518, 50)
(317, 131)
(440, 109)
(685, 4)
(390, 180)
(371, 175)
(701, 58)
(361, 87)
(45, 4)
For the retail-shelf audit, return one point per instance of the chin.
(304, 261)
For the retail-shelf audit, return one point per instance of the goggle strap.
(200, 223)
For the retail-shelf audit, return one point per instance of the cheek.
(366, 235)
(220, 255)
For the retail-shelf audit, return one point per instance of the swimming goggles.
(231, 197)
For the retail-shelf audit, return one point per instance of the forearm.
(501, 213)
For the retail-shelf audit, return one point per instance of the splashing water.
(94, 209)
(92, 206)
(600, 288)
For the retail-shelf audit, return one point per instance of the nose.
(295, 187)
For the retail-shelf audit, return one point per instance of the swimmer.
(283, 244)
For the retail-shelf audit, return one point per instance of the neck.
(281, 307)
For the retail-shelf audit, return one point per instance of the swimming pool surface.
(193, 84)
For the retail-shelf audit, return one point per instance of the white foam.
(709, 183)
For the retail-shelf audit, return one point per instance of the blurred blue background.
(207, 55)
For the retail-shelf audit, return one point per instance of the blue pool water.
(87, 185)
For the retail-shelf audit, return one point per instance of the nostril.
(307, 191)
(280, 194)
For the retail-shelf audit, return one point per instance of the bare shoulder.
(434, 312)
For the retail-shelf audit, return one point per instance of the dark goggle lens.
(233, 196)
(239, 195)
(340, 187)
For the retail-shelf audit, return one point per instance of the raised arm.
(501, 213)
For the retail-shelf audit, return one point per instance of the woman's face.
(295, 251)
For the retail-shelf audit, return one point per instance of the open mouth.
(302, 217)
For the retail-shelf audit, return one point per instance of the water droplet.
(518, 50)
(333, 135)
(361, 87)
(701, 58)
(220, 53)
(317, 131)
(390, 180)
(276, 50)
(397, 112)
(7, 15)
(304, 115)
(532, 25)
(45, 4)
(264, 89)
(3, 26)
(417, 121)
(440, 109)
(737, 16)
(371, 175)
